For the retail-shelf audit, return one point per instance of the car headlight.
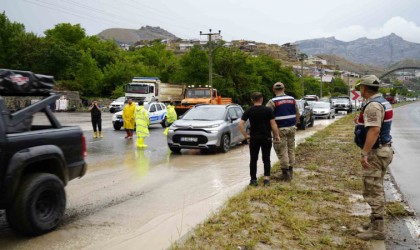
(215, 125)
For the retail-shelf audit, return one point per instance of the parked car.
(117, 105)
(324, 110)
(343, 104)
(207, 127)
(157, 114)
(307, 118)
(314, 98)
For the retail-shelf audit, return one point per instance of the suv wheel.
(175, 150)
(225, 143)
(38, 206)
(312, 122)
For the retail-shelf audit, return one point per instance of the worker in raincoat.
(171, 116)
(142, 124)
(128, 117)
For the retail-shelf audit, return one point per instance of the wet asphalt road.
(141, 199)
(405, 166)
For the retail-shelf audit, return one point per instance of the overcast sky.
(270, 21)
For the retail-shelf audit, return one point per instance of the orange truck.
(200, 95)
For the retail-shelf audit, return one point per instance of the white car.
(157, 114)
(117, 105)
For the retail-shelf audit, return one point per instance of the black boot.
(291, 172)
(285, 176)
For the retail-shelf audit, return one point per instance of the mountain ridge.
(130, 36)
(383, 51)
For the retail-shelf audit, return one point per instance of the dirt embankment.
(317, 210)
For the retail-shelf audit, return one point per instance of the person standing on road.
(287, 116)
(96, 117)
(171, 116)
(128, 118)
(373, 136)
(262, 123)
(142, 124)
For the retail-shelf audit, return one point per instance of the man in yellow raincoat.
(128, 117)
(142, 124)
(171, 116)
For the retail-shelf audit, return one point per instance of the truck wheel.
(40, 204)
(117, 127)
(225, 143)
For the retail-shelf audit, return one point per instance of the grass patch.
(397, 209)
(311, 212)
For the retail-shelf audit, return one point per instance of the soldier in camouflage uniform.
(372, 134)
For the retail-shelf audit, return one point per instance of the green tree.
(104, 52)
(11, 34)
(88, 76)
(160, 61)
(67, 33)
(194, 67)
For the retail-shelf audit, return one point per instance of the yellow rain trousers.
(142, 125)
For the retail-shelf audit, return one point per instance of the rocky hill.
(383, 51)
(130, 36)
(345, 64)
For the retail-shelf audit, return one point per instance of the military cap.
(278, 85)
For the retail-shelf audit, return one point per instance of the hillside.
(345, 64)
(383, 51)
(130, 36)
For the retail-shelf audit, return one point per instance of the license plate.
(189, 139)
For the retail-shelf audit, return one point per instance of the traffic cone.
(140, 142)
(95, 134)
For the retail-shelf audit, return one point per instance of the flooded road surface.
(142, 199)
(405, 166)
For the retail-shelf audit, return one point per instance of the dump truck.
(150, 89)
(200, 95)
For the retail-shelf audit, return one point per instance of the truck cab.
(200, 95)
(142, 88)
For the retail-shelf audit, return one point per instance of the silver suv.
(207, 127)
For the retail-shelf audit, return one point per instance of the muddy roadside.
(321, 209)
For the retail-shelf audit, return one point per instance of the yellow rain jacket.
(142, 122)
(171, 115)
(128, 116)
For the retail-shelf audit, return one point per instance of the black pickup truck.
(36, 161)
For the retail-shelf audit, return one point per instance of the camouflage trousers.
(373, 180)
(285, 150)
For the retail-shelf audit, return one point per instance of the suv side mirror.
(233, 118)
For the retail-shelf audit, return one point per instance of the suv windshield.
(342, 100)
(120, 99)
(205, 113)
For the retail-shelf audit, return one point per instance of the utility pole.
(210, 34)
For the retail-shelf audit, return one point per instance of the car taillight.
(84, 149)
